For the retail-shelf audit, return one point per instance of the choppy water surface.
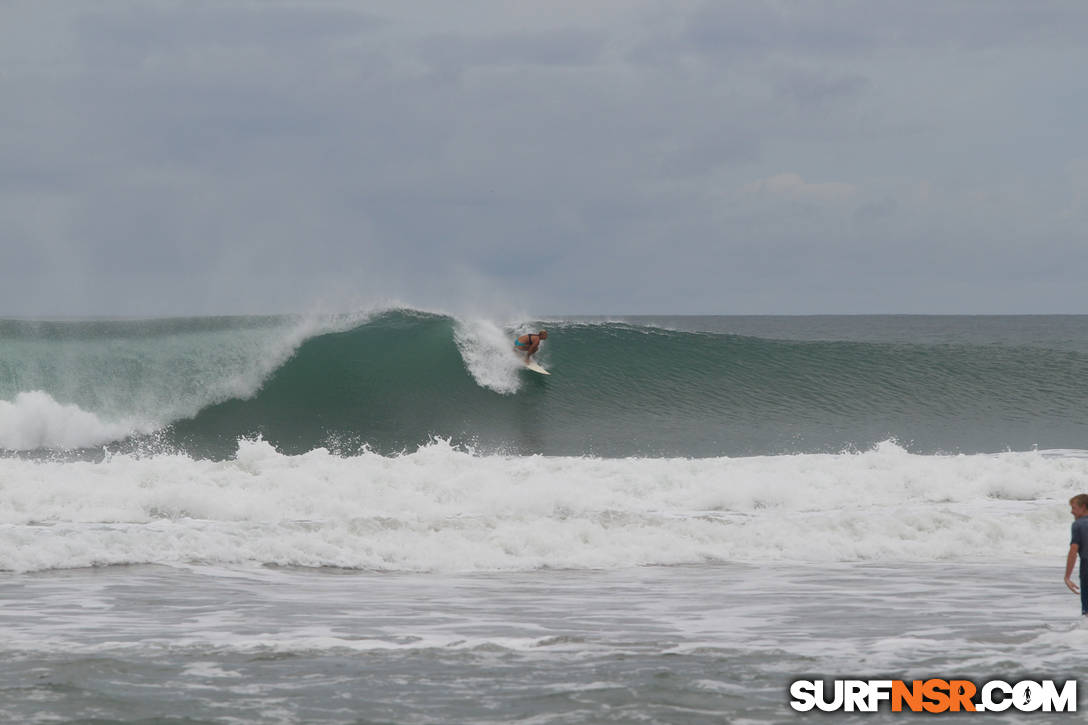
(661, 644)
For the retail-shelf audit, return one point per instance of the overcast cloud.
(554, 157)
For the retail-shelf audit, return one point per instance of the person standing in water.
(529, 344)
(1078, 506)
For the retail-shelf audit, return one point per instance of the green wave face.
(624, 390)
(401, 378)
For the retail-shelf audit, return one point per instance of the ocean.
(380, 517)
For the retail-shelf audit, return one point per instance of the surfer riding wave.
(529, 344)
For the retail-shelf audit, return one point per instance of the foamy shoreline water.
(684, 644)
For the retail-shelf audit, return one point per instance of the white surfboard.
(535, 367)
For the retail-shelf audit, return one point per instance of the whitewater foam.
(35, 420)
(443, 509)
(486, 349)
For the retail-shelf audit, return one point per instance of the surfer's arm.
(1069, 562)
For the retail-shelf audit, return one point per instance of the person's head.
(543, 334)
(1078, 505)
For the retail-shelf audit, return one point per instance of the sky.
(558, 156)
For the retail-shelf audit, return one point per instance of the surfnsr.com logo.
(933, 695)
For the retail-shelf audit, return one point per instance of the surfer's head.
(543, 334)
